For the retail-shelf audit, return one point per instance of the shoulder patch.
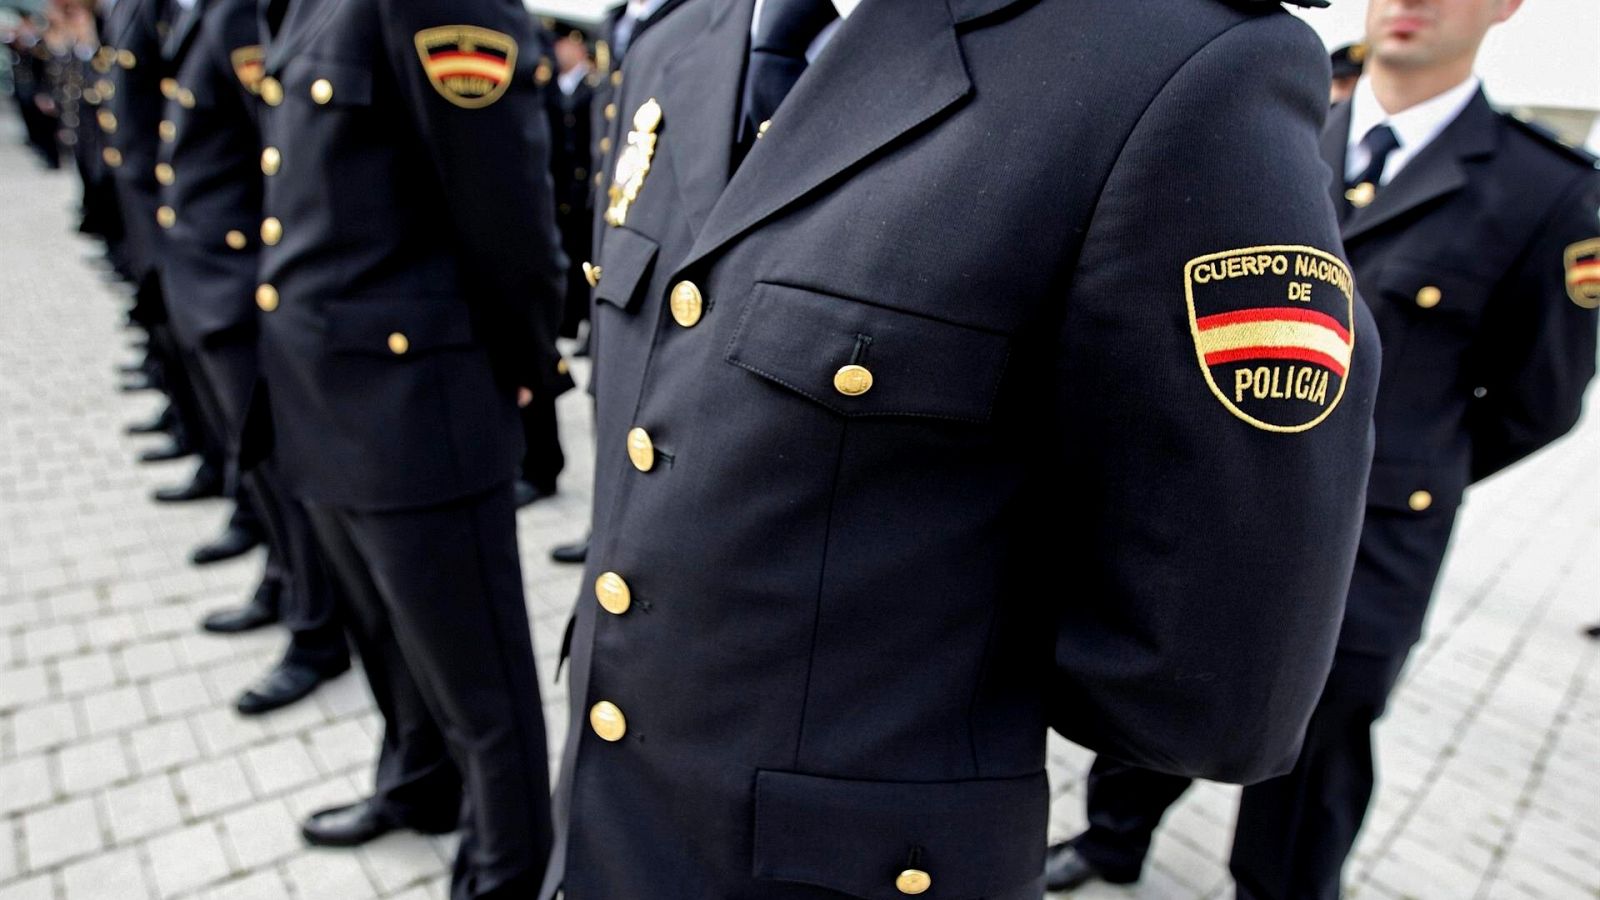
(469, 66)
(249, 65)
(1582, 261)
(1274, 330)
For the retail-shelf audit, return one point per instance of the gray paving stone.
(187, 859)
(93, 764)
(61, 832)
(115, 875)
(142, 808)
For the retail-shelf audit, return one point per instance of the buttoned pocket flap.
(1431, 291)
(1414, 486)
(624, 266)
(328, 83)
(859, 359)
(965, 839)
(397, 328)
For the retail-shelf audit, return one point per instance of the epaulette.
(1547, 137)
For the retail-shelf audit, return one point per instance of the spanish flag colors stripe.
(456, 64)
(1274, 333)
(1583, 272)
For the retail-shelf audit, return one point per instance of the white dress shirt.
(1414, 127)
(844, 8)
(569, 80)
(635, 10)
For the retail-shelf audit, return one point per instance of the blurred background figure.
(1347, 62)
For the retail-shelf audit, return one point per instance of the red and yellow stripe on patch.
(1278, 332)
(468, 65)
(1583, 273)
(249, 65)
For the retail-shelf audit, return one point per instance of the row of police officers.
(955, 379)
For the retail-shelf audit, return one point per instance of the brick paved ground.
(124, 774)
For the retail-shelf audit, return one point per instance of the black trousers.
(223, 372)
(543, 460)
(439, 619)
(1295, 831)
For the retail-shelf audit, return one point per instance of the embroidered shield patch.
(469, 66)
(1273, 332)
(249, 64)
(1583, 273)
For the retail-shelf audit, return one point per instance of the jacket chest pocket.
(858, 359)
(326, 83)
(1420, 295)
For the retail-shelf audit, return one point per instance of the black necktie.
(778, 56)
(1379, 143)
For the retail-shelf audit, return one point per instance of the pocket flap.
(624, 262)
(1431, 290)
(918, 366)
(397, 327)
(1417, 487)
(328, 83)
(974, 839)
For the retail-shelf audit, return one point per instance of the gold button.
(126, 59)
(610, 111)
(1361, 194)
(167, 130)
(607, 721)
(106, 89)
(541, 74)
(563, 367)
(1419, 500)
(186, 98)
(271, 231)
(236, 239)
(605, 145)
(1429, 297)
(616, 78)
(91, 96)
(599, 178)
(321, 91)
(266, 297)
(399, 344)
(271, 91)
(166, 216)
(112, 156)
(169, 88)
(852, 380)
(641, 450)
(687, 304)
(613, 593)
(271, 159)
(108, 122)
(165, 173)
(913, 881)
(591, 274)
(761, 130)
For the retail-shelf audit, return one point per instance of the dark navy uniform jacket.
(416, 280)
(211, 171)
(1013, 380)
(132, 119)
(1465, 258)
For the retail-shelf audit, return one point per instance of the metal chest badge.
(633, 163)
(249, 65)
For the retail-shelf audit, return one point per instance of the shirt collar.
(1414, 126)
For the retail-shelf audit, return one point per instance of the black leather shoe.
(233, 541)
(1593, 631)
(1065, 869)
(571, 553)
(205, 483)
(169, 450)
(359, 823)
(156, 425)
(283, 684)
(262, 610)
(527, 493)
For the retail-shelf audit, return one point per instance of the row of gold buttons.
(272, 91)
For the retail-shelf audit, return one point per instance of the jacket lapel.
(178, 39)
(1335, 146)
(1432, 173)
(892, 66)
(303, 20)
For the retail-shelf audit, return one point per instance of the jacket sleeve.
(1540, 352)
(1218, 454)
(466, 70)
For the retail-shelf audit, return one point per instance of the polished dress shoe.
(205, 483)
(1066, 869)
(156, 425)
(359, 823)
(526, 493)
(233, 541)
(262, 610)
(283, 684)
(1593, 631)
(571, 553)
(169, 450)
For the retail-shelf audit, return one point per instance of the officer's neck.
(1398, 88)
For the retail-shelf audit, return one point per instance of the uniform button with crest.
(235, 239)
(186, 98)
(613, 593)
(607, 721)
(1419, 501)
(852, 380)
(266, 297)
(1429, 297)
(271, 231)
(112, 156)
(108, 122)
(165, 174)
(166, 216)
(913, 881)
(126, 59)
(641, 450)
(321, 91)
(271, 159)
(167, 130)
(271, 91)
(687, 304)
(169, 88)
(399, 344)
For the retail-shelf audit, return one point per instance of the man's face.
(1425, 33)
(569, 52)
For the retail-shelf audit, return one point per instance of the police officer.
(1473, 236)
(1346, 62)
(845, 366)
(410, 294)
(211, 174)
